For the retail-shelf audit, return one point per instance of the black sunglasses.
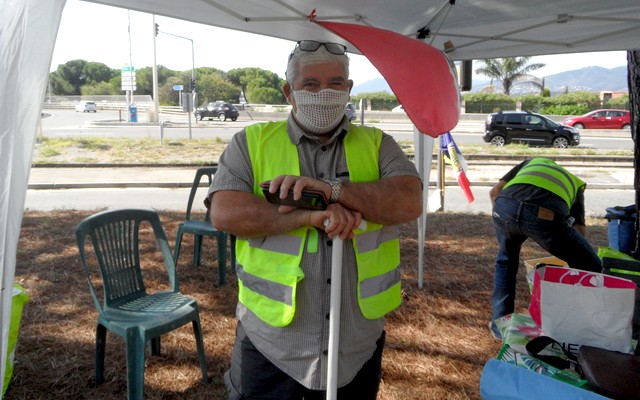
(312, 45)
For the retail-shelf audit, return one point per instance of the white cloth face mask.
(320, 112)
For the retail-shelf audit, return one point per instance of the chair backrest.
(115, 238)
(208, 172)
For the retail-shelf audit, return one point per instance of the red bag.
(579, 307)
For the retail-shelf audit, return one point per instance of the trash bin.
(133, 113)
(621, 228)
(20, 298)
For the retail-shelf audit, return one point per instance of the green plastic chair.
(127, 309)
(203, 227)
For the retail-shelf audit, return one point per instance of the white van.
(86, 106)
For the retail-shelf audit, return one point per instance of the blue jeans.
(515, 221)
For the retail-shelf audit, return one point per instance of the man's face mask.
(320, 112)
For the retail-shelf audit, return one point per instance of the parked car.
(218, 109)
(399, 108)
(86, 106)
(601, 119)
(506, 127)
(350, 111)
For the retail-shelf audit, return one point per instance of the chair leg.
(222, 259)
(197, 331)
(135, 343)
(233, 253)
(101, 341)
(155, 346)
(176, 251)
(197, 249)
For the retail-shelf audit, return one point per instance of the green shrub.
(483, 103)
(566, 109)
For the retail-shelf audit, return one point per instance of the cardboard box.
(531, 264)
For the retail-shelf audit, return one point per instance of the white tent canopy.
(476, 28)
(467, 29)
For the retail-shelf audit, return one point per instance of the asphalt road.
(105, 123)
(65, 122)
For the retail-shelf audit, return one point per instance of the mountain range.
(592, 79)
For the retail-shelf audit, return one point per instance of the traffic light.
(157, 29)
(193, 85)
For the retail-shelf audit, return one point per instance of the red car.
(601, 119)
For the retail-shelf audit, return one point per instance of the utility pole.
(156, 104)
(192, 104)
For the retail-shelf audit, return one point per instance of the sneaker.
(494, 334)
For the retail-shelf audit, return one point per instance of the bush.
(483, 103)
(380, 101)
(621, 102)
(567, 109)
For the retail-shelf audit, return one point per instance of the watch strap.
(336, 187)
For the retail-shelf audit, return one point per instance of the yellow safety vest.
(269, 268)
(546, 174)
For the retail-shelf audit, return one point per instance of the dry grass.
(437, 340)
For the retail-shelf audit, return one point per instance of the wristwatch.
(336, 186)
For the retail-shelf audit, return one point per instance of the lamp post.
(193, 74)
(156, 105)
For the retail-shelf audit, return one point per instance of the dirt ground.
(437, 341)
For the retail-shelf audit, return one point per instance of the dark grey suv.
(221, 110)
(506, 127)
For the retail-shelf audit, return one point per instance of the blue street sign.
(178, 87)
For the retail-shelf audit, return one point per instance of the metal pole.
(193, 75)
(156, 105)
(441, 178)
(334, 318)
(130, 91)
(334, 314)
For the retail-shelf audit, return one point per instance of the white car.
(398, 109)
(86, 106)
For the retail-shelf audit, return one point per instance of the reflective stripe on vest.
(548, 175)
(272, 263)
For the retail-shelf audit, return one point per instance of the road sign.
(178, 87)
(128, 78)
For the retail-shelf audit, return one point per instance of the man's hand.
(495, 191)
(284, 183)
(336, 221)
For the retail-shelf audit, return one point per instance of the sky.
(99, 33)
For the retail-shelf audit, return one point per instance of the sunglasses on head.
(312, 45)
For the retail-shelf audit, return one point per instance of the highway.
(105, 123)
(610, 186)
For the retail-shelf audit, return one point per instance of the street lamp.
(193, 70)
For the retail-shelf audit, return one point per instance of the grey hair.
(300, 58)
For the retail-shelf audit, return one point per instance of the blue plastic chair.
(203, 227)
(127, 309)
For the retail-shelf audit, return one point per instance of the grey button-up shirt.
(300, 349)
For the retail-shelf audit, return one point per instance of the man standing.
(537, 199)
(284, 253)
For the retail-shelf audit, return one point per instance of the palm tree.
(509, 70)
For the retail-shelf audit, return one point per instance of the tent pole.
(419, 161)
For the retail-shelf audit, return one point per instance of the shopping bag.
(578, 307)
(501, 381)
(513, 356)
